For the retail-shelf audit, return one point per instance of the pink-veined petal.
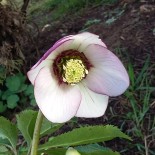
(58, 103)
(92, 104)
(108, 75)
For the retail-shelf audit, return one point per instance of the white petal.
(32, 74)
(58, 103)
(108, 75)
(92, 104)
(81, 41)
(77, 42)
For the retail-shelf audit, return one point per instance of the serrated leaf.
(26, 123)
(3, 107)
(85, 135)
(8, 131)
(12, 101)
(13, 83)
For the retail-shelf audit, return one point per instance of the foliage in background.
(60, 8)
(139, 96)
(15, 91)
(139, 117)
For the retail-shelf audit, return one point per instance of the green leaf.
(23, 100)
(111, 20)
(85, 135)
(12, 101)
(143, 71)
(29, 90)
(4, 141)
(3, 107)
(13, 83)
(6, 94)
(55, 151)
(4, 144)
(31, 96)
(23, 150)
(21, 77)
(33, 102)
(8, 131)
(23, 87)
(83, 151)
(91, 147)
(95, 149)
(131, 74)
(48, 127)
(106, 152)
(26, 123)
(3, 149)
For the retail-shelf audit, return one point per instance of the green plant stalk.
(36, 133)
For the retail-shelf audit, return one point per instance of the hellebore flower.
(75, 77)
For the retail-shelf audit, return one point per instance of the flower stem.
(36, 133)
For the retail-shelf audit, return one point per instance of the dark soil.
(133, 30)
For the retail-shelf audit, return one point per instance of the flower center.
(71, 67)
(74, 71)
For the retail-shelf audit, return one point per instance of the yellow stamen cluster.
(74, 71)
